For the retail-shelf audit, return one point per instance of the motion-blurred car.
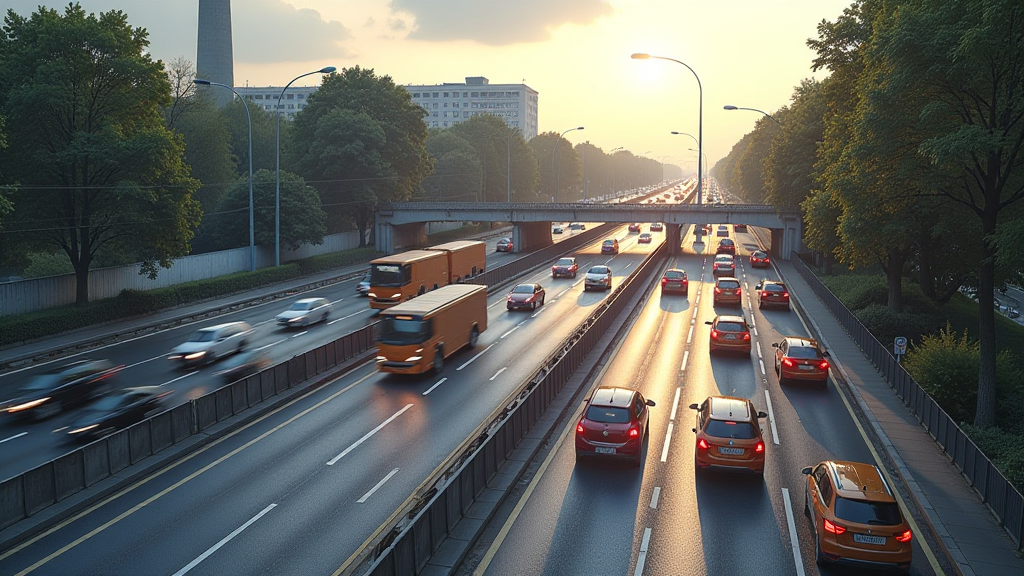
(723, 231)
(855, 517)
(729, 333)
(363, 287)
(49, 394)
(798, 358)
(634, 227)
(566, 267)
(724, 264)
(727, 291)
(304, 312)
(504, 245)
(208, 344)
(577, 226)
(739, 228)
(657, 227)
(760, 259)
(729, 435)
(726, 246)
(244, 364)
(610, 246)
(773, 293)
(614, 425)
(675, 280)
(115, 412)
(598, 278)
(528, 296)
(644, 238)
(557, 230)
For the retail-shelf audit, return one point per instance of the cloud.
(497, 22)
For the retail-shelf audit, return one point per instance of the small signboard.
(899, 346)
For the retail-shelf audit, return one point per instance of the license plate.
(806, 367)
(603, 450)
(673, 285)
(865, 539)
(730, 336)
(730, 451)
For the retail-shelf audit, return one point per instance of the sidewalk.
(974, 542)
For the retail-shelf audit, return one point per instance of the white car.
(598, 278)
(209, 344)
(305, 312)
(363, 287)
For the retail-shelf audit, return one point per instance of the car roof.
(675, 270)
(599, 269)
(723, 257)
(720, 278)
(307, 300)
(859, 481)
(801, 341)
(725, 242)
(612, 396)
(730, 408)
(723, 318)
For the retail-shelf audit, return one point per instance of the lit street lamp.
(277, 194)
(700, 117)
(252, 234)
(554, 156)
(731, 107)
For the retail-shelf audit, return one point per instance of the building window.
(435, 94)
(465, 94)
(290, 97)
(455, 104)
(415, 94)
(465, 114)
(301, 96)
(291, 106)
(434, 125)
(434, 115)
(435, 105)
(474, 94)
(445, 94)
(445, 124)
(445, 104)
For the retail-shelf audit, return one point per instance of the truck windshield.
(394, 331)
(388, 275)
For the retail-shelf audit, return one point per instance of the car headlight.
(396, 295)
(83, 429)
(414, 358)
(194, 355)
(27, 405)
(371, 294)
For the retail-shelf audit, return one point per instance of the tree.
(399, 162)
(96, 165)
(497, 146)
(458, 174)
(303, 220)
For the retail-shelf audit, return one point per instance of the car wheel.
(573, 274)
(438, 359)
(819, 556)
(533, 305)
(474, 337)
(542, 300)
(326, 314)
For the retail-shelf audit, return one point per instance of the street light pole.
(772, 118)
(611, 156)
(554, 155)
(252, 233)
(277, 192)
(700, 117)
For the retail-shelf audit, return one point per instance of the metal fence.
(1005, 501)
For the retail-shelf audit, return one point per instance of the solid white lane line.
(641, 558)
(299, 334)
(368, 435)
(144, 361)
(179, 378)
(431, 389)
(668, 439)
(538, 312)
(13, 437)
(675, 404)
(226, 539)
(498, 372)
(514, 328)
(336, 301)
(654, 497)
(686, 356)
(470, 361)
(377, 487)
(271, 344)
(771, 418)
(349, 316)
(792, 533)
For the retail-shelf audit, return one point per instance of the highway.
(299, 489)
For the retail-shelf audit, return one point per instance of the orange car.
(728, 435)
(855, 517)
(798, 358)
(729, 333)
(728, 290)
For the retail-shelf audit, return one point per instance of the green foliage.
(946, 366)
(458, 173)
(886, 325)
(1005, 448)
(43, 264)
(497, 146)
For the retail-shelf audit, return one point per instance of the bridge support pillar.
(400, 237)
(673, 237)
(531, 235)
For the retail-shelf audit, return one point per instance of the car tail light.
(764, 294)
(634, 432)
(788, 362)
(823, 365)
(760, 447)
(739, 291)
(746, 336)
(702, 444)
(904, 537)
(716, 266)
(718, 290)
(664, 281)
(714, 334)
(785, 295)
(579, 428)
(833, 528)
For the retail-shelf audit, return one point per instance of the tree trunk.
(985, 412)
(894, 277)
(926, 273)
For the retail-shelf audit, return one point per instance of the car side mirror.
(221, 339)
(694, 430)
(806, 470)
(762, 414)
(775, 344)
(709, 322)
(650, 402)
(694, 407)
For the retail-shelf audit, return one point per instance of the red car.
(759, 259)
(565, 267)
(613, 425)
(525, 296)
(726, 246)
(728, 291)
(504, 245)
(645, 238)
(798, 358)
(771, 293)
(729, 333)
(675, 280)
(634, 228)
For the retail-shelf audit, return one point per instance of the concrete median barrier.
(68, 475)
(239, 400)
(12, 502)
(96, 462)
(161, 430)
(183, 421)
(39, 490)
(225, 407)
(253, 392)
(140, 441)
(118, 451)
(206, 410)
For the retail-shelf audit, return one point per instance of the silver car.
(363, 287)
(209, 344)
(598, 278)
(305, 312)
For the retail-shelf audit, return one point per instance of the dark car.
(772, 293)
(760, 259)
(614, 425)
(610, 246)
(726, 246)
(525, 296)
(675, 280)
(49, 394)
(565, 267)
(504, 245)
(116, 412)
(244, 364)
(634, 227)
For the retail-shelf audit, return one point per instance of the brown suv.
(729, 435)
(855, 518)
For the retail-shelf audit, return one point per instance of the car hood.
(597, 277)
(289, 314)
(189, 347)
(519, 297)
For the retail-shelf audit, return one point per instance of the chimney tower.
(214, 59)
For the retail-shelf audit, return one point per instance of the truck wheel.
(438, 359)
(474, 336)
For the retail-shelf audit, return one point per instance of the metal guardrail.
(1005, 501)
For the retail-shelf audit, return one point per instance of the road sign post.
(899, 347)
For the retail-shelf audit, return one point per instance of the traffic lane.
(465, 411)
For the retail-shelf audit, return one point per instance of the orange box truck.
(466, 259)
(399, 277)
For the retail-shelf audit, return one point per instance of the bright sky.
(575, 53)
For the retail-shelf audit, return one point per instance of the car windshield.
(564, 262)
(204, 336)
(43, 382)
(392, 330)
(609, 243)
(774, 288)
(864, 512)
(523, 289)
(607, 414)
(108, 403)
(802, 352)
(386, 275)
(504, 241)
(301, 306)
(598, 270)
(730, 327)
(759, 254)
(723, 259)
(730, 429)
(674, 275)
(725, 242)
(729, 284)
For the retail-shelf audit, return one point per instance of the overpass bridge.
(401, 225)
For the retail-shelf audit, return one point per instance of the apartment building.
(451, 103)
